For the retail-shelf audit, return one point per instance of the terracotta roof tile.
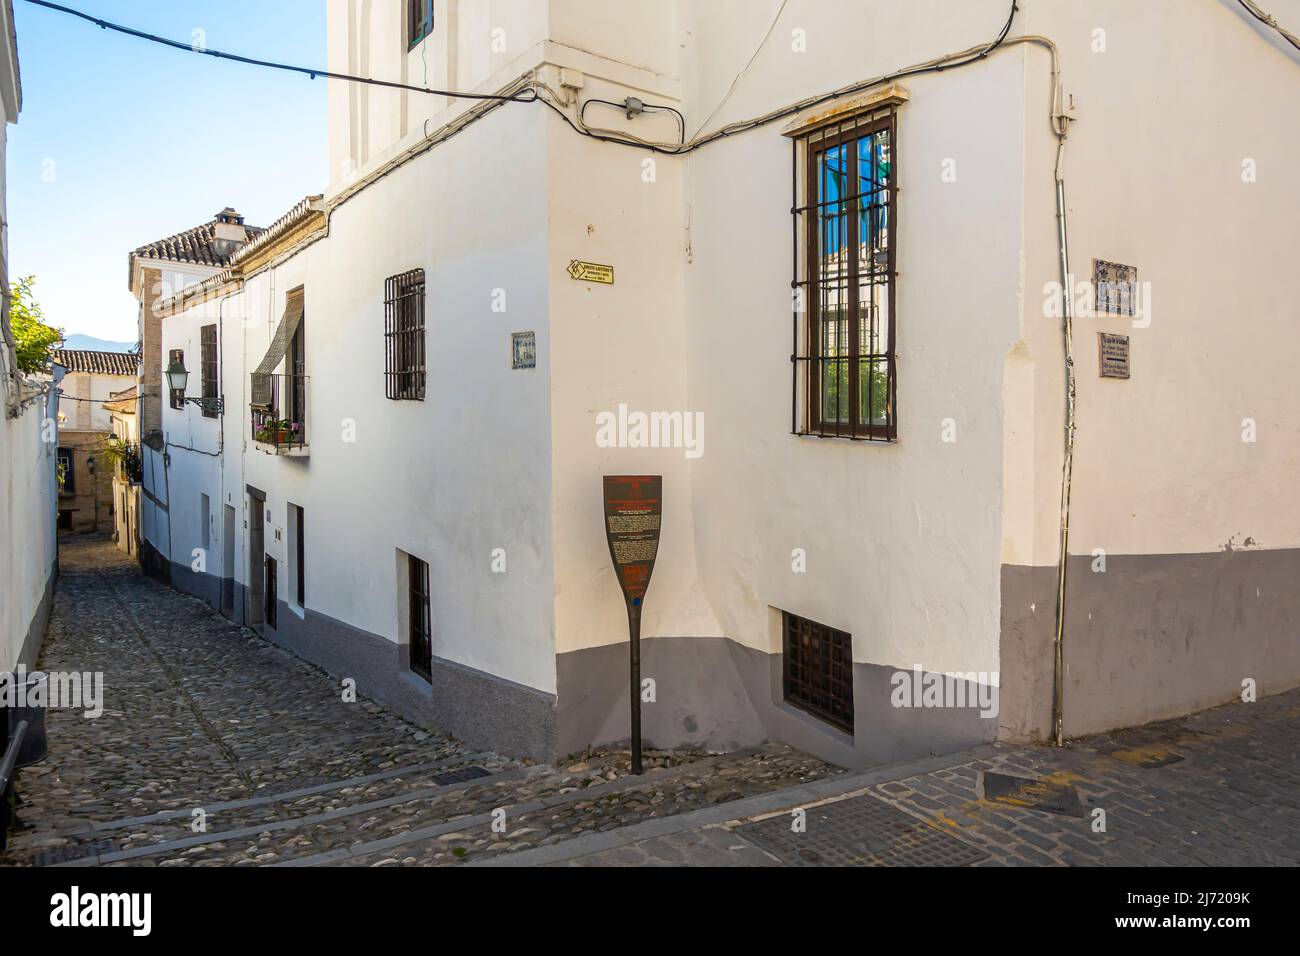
(198, 245)
(99, 363)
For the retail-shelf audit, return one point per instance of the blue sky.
(142, 141)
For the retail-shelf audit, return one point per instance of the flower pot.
(283, 436)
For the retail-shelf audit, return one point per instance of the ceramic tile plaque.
(1115, 285)
(523, 350)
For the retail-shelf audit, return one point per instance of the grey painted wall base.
(483, 710)
(720, 695)
(31, 648)
(480, 709)
(1151, 637)
(198, 583)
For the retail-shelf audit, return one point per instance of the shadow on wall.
(718, 695)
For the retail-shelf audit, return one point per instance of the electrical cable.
(533, 92)
(744, 70)
(520, 97)
(1269, 20)
(938, 65)
(657, 107)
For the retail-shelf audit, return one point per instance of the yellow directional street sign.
(591, 272)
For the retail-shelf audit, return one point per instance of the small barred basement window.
(819, 670)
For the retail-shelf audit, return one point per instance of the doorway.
(228, 562)
(272, 593)
(256, 556)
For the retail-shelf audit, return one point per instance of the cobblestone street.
(200, 714)
(217, 748)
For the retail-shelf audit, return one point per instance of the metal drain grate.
(1029, 794)
(460, 775)
(860, 831)
(81, 851)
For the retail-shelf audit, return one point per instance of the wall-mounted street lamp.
(178, 377)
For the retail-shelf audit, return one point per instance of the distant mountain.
(90, 343)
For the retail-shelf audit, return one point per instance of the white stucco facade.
(938, 550)
(28, 550)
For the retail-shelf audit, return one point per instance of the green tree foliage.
(32, 337)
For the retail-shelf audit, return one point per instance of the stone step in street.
(167, 826)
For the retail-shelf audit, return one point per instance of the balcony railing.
(279, 413)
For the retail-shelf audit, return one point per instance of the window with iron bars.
(208, 362)
(819, 670)
(404, 335)
(845, 370)
(419, 20)
(176, 396)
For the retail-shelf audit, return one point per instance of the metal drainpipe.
(1058, 682)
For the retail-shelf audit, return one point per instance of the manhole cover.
(64, 854)
(860, 831)
(460, 775)
(1048, 796)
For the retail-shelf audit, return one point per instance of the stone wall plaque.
(1113, 355)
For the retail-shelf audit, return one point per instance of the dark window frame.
(419, 21)
(176, 396)
(817, 670)
(271, 597)
(208, 368)
(300, 556)
(420, 624)
(68, 484)
(405, 371)
(877, 209)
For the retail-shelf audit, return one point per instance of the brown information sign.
(633, 514)
(1113, 355)
(633, 511)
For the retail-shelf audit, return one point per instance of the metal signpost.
(633, 512)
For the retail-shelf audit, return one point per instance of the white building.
(28, 553)
(156, 271)
(862, 495)
(123, 409)
(86, 467)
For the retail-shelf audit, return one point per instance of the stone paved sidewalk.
(1219, 788)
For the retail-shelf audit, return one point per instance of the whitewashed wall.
(1154, 178)
(27, 522)
(448, 479)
